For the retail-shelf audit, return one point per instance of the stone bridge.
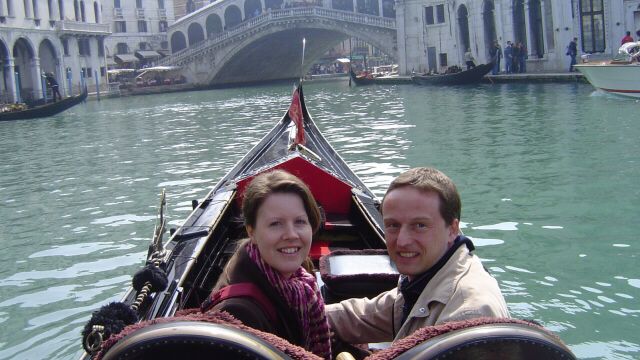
(268, 46)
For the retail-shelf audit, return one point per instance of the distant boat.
(375, 78)
(471, 76)
(620, 76)
(44, 110)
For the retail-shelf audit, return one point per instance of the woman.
(280, 216)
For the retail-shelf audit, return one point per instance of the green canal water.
(549, 176)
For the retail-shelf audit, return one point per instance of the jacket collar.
(443, 283)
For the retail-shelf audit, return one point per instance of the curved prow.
(192, 340)
(485, 338)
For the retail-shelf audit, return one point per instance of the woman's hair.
(282, 182)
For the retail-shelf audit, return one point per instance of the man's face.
(416, 234)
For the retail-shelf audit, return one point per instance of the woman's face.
(282, 232)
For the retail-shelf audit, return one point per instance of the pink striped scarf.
(301, 293)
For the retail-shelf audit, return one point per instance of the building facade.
(62, 37)
(434, 34)
(138, 31)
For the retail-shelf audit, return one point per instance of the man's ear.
(454, 230)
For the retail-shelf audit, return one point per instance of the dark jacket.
(241, 268)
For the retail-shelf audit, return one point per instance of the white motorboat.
(620, 76)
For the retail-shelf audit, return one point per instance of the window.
(103, 71)
(122, 48)
(101, 47)
(65, 47)
(160, 4)
(162, 26)
(592, 25)
(138, 4)
(142, 26)
(428, 15)
(121, 27)
(443, 59)
(440, 13)
(116, 4)
(89, 72)
(84, 48)
(142, 46)
(164, 45)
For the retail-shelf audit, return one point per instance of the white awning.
(125, 58)
(147, 54)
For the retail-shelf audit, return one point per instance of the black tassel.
(114, 317)
(152, 274)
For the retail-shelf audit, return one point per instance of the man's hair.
(427, 179)
(280, 182)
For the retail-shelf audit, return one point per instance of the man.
(496, 55)
(469, 60)
(572, 51)
(53, 84)
(627, 38)
(508, 57)
(441, 280)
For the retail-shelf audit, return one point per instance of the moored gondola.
(44, 110)
(471, 76)
(197, 252)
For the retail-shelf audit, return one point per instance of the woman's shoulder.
(248, 311)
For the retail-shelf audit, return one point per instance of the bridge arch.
(178, 42)
(48, 57)
(273, 4)
(232, 17)
(344, 5)
(326, 34)
(195, 33)
(213, 24)
(252, 8)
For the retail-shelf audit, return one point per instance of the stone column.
(379, 7)
(527, 28)
(55, 10)
(544, 29)
(28, 9)
(500, 24)
(10, 78)
(37, 78)
(401, 35)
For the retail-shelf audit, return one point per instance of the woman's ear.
(249, 229)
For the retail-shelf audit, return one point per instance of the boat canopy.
(152, 71)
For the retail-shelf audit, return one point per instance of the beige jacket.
(461, 290)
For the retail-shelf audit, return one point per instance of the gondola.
(371, 79)
(361, 80)
(44, 110)
(197, 252)
(471, 76)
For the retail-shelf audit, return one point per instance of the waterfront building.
(434, 34)
(63, 37)
(139, 31)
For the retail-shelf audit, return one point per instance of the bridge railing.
(270, 15)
